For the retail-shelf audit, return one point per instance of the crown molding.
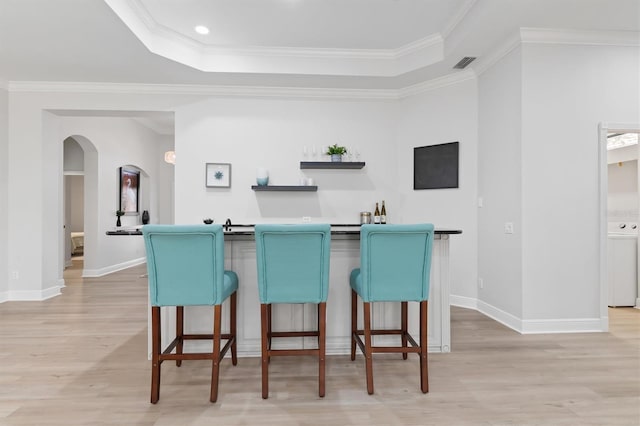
(579, 37)
(416, 47)
(202, 90)
(502, 50)
(170, 44)
(240, 91)
(555, 36)
(437, 83)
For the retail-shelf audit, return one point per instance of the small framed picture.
(218, 175)
(129, 188)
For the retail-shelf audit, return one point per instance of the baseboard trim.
(463, 302)
(4, 296)
(93, 273)
(572, 325)
(499, 315)
(33, 295)
(546, 326)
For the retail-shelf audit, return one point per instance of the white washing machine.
(622, 265)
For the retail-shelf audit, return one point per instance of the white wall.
(567, 90)
(438, 116)
(119, 142)
(25, 214)
(35, 167)
(537, 111)
(271, 133)
(626, 153)
(73, 156)
(499, 186)
(4, 208)
(165, 183)
(76, 195)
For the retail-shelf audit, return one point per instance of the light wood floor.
(80, 359)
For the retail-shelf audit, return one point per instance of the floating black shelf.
(309, 188)
(332, 164)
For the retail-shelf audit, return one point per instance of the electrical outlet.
(508, 228)
(480, 283)
(15, 275)
(306, 218)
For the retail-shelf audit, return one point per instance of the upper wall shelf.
(285, 188)
(331, 164)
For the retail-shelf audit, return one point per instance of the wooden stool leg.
(179, 332)
(367, 346)
(403, 321)
(354, 322)
(155, 354)
(318, 322)
(269, 325)
(264, 320)
(217, 331)
(424, 370)
(232, 327)
(322, 327)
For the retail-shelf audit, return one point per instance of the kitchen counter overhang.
(245, 232)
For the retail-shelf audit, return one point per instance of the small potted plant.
(336, 152)
(119, 213)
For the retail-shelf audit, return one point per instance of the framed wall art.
(129, 189)
(218, 175)
(436, 166)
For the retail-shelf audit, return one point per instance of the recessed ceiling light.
(201, 29)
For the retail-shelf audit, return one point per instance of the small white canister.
(365, 217)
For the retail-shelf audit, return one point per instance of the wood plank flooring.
(80, 359)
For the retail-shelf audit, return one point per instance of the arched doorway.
(80, 185)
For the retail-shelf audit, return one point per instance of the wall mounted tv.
(436, 166)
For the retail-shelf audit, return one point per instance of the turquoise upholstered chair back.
(293, 262)
(395, 262)
(185, 264)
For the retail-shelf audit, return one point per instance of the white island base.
(240, 256)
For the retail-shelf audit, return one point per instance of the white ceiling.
(332, 24)
(366, 44)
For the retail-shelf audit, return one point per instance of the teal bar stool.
(395, 264)
(293, 267)
(186, 268)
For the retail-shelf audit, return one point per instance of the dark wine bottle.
(383, 214)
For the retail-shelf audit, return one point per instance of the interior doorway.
(616, 210)
(73, 190)
(79, 207)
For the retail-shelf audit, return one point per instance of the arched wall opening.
(84, 164)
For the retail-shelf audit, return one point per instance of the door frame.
(603, 130)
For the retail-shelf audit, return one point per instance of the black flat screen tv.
(436, 166)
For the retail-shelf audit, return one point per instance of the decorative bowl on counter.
(208, 221)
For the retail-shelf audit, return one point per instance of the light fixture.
(621, 140)
(170, 157)
(201, 29)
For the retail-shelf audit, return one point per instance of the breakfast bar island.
(240, 256)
